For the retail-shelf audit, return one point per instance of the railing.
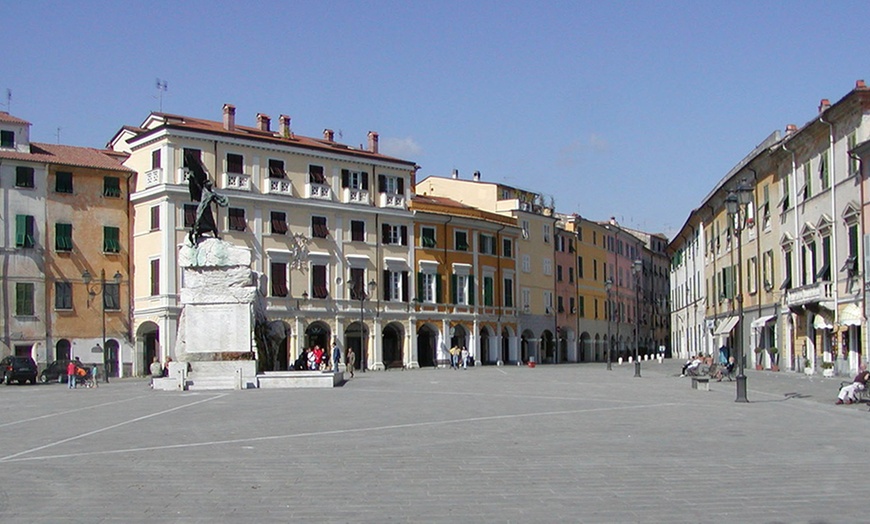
(392, 200)
(320, 191)
(277, 186)
(355, 196)
(153, 177)
(237, 181)
(817, 292)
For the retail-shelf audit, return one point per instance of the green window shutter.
(111, 186)
(487, 291)
(24, 299)
(20, 230)
(439, 289)
(420, 286)
(111, 240)
(453, 289)
(470, 290)
(63, 237)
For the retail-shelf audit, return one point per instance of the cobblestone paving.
(571, 443)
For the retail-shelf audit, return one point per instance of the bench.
(701, 383)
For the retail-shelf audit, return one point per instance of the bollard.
(620, 361)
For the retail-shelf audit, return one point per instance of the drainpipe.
(797, 259)
(833, 267)
(861, 221)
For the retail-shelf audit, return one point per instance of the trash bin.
(531, 362)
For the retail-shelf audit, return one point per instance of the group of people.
(459, 356)
(77, 372)
(316, 358)
(694, 367)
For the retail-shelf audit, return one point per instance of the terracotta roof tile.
(6, 117)
(69, 156)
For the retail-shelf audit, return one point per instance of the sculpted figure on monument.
(202, 191)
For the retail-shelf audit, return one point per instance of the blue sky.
(625, 109)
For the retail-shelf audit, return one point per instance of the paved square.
(570, 442)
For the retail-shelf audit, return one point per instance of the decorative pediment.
(786, 240)
(808, 231)
(824, 224)
(851, 213)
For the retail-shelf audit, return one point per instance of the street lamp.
(361, 293)
(637, 268)
(608, 286)
(736, 204)
(92, 292)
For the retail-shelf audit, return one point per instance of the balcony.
(321, 191)
(277, 186)
(354, 196)
(153, 177)
(237, 181)
(393, 200)
(812, 293)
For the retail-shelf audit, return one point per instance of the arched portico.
(392, 338)
(427, 346)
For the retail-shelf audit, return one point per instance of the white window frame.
(546, 232)
(462, 289)
(547, 266)
(429, 289)
(527, 264)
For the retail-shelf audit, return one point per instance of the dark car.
(56, 371)
(20, 369)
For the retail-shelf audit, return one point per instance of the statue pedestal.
(219, 305)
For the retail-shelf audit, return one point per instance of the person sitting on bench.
(726, 370)
(848, 393)
(691, 368)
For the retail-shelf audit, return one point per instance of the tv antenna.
(57, 134)
(8, 100)
(162, 87)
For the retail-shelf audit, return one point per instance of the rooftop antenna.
(57, 134)
(8, 100)
(162, 87)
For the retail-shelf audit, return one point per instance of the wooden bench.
(701, 383)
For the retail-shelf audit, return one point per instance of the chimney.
(455, 174)
(328, 135)
(476, 176)
(229, 117)
(284, 126)
(790, 129)
(824, 104)
(373, 142)
(263, 122)
(859, 84)
(613, 221)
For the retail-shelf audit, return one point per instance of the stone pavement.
(571, 442)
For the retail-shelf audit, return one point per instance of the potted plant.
(828, 369)
(808, 367)
(758, 357)
(774, 363)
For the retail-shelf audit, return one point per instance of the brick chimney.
(328, 135)
(790, 129)
(229, 117)
(373, 142)
(455, 174)
(284, 126)
(859, 84)
(476, 176)
(263, 122)
(824, 104)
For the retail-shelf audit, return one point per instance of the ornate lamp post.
(608, 286)
(361, 293)
(636, 269)
(736, 203)
(92, 292)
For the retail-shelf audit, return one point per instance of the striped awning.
(850, 315)
(726, 326)
(760, 322)
(823, 320)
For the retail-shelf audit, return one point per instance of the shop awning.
(850, 315)
(760, 322)
(823, 321)
(726, 326)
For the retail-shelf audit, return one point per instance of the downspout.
(130, 337)
(861, 221)
(4, 274)
(796, 259)
(833, 266)
(498, 255)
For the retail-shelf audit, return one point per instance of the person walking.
(350, 361)
(336, 355)
(94, 372)
(464, 355)
(156, 370)
(71, 374)
(454, 357)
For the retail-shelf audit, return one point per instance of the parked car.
(56, 371)
(20, 369)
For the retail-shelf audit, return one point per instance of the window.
(235, 163)
(547, 233)
(318, 227)
(594, 270)
(580, 267)
(111, 186)
(767, 270)
(279, 279)
(189, 215)
(155, 159)
(315, 175)
(391, 184)
(155, 277)
(357, 282)
(355, 179)
(394, 235)
(155, 218)
(786, 265)
(427, 237)
(276, 169)
(547, 266)
(24, 176)
(427, 287)
(784, 202)
(463, 290)
(7, 138)
(558, 272)
(237, 219)
(526, 229)
(24, 231)
(570, 275)
(824, 273)
(527, 299)
(191, 155)
(581, 307)
(318, 281)
(560, 304)
(526, 264)
(751, 271)
(460, 241)
(63, 295)
(397, 285)
(852, 142)
(357, 231)
(764, 209)
(507, 248)
(808, 182)
(112, 297)
(487, 244)
(63, 237)
(508, 292)
(488, 291)
(111, 239)
(548, 301)
(852, 266)
(824, 174)
(278, 222)
(24, 299)
(63, 182)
